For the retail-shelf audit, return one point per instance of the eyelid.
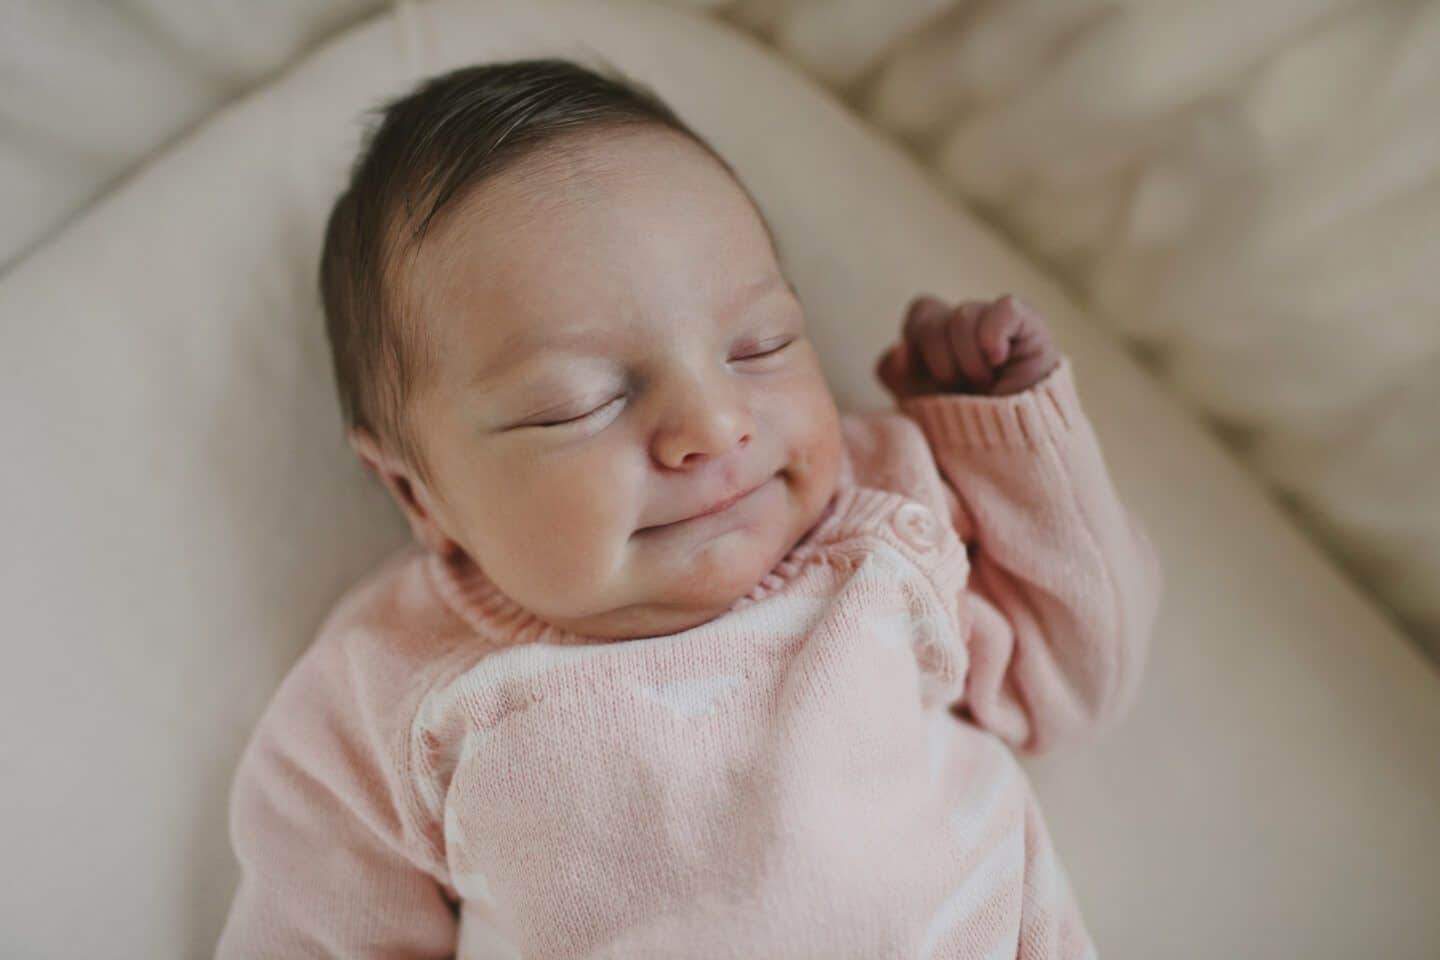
(755, 351)
(575, 419)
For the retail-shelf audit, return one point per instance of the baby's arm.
(1064, 584)
(330, 864)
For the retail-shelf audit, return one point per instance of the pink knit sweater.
(823, 772)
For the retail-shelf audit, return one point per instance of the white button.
(917, 526)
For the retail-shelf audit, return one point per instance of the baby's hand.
(992, 348)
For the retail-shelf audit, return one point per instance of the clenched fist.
(985, 347)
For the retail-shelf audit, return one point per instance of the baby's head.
(561, 332)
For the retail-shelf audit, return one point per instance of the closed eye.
(766, 348)
(588, 414)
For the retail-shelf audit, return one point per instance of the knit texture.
(824, 771)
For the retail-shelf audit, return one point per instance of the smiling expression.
(624, 422)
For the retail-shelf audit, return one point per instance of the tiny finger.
(999, 324)
(1030, 363)
(925, 332)
(893, 368)
(966, 348)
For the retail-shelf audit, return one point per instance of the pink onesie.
(823, 772)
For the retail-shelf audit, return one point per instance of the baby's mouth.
(718, 506)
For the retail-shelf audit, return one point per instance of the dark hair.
(444, 138)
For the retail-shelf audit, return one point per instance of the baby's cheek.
(814, 425)
(574, 524)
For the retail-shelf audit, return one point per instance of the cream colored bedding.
(1248, 192)
(179, 511)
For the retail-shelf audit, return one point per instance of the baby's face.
(617, 358)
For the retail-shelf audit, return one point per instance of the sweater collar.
(495, 617)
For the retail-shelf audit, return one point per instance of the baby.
(684, 663)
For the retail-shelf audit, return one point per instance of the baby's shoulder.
(338, 729)
(394, 611)
(384, 644)
(888, 450)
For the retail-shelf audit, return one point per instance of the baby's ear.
(368, 449)
(409, 492)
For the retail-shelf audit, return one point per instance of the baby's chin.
(688, 595)
(727, 570)
(698, 581)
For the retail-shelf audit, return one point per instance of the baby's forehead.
(625, 164)
(580, 244)
(593, 208)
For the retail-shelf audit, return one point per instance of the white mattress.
(180, 511)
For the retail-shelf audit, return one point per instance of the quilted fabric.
(1249, 193)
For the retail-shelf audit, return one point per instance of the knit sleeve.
(1064, 585)
(322, 819)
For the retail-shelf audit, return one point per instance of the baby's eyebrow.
(485, 378)
(527, 348)
(526, 354)
(753, 292)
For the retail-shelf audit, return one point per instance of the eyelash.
(590, 413)
(767, 353)
(584, 416)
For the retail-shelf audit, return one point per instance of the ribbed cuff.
(1047, 410)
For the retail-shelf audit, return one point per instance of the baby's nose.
(705, 426)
